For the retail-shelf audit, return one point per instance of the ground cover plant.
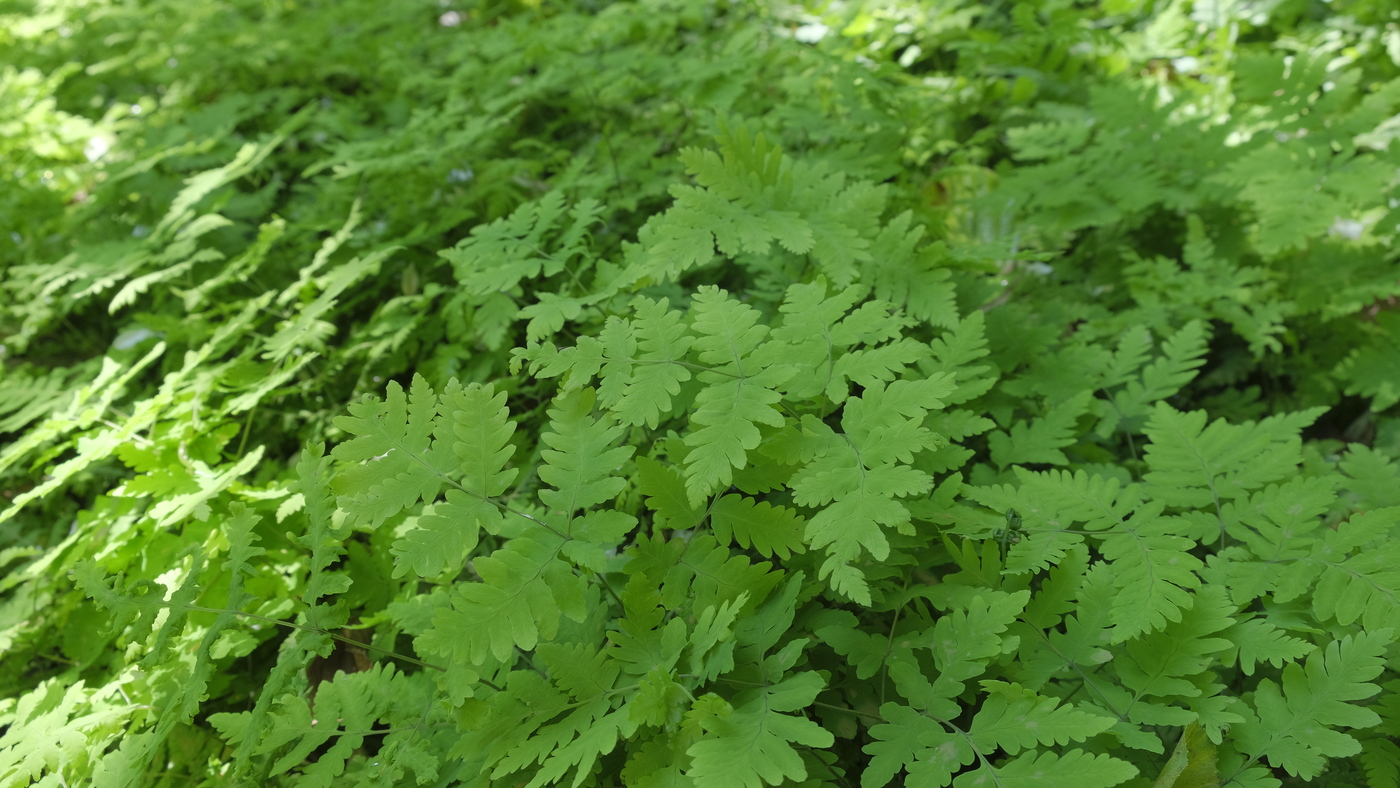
(699, 394)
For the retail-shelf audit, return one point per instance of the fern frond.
(1258, 641)
(817, 336)
(325, 541)
(739, 394)
(1358, 572)
(1373, 477)
(524, 588)
(406, 449)
(752, 745)
(53, 725)
(1295, 726)
(706, 575)
(346, 711)
(1182, 355)
(954, 352)
(526, 585)
(1014, 719)
(865, 651)
(87, 404)
(749, 195)
(1073, 769)
(664, 491)
(1040, 441)
(1154, 572)
(581, 458)
(1194, 465)
(915, 737)
(307, 329)
(589, 729)
(857, 478)
(662, 341)
(743, 203)
(908, 277)
(26, 397)
(641, 644)
(768, 529)
(498, 256)
(1081, 646)
(476, 422)
(1372, 369)
(1380, 757)
(1159, 663)
(391, 468)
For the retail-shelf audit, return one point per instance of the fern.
(740, 392)
(1294, 726)
(816, 453)
(858, 475)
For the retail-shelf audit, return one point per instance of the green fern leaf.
(1258, 641)
(1081, 644)
(641, 644)
(954, 352)
(1182, 355)
(1373, 477)
(1294, 729)
(307, 329)
(770, 530)
(390, 453)
(1193, 465)
(743, 203)
(524, 588)
(1364, 586)
(706, 575)
(1381, 760)
(866, 651)
(859, 477)
(1014, 719)
(581, 457)
(665, 496)
(1158, 663)
(817, 337)
(739, 392)
(1073, 769)
(1372, 369)
(500, 255)
(527, 585)
(753, 744)
(909, 278)
(346, 710)
(1040, 441)
(657, 376)
(1153, 570)
(912, 738)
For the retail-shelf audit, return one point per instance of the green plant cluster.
(719, 394)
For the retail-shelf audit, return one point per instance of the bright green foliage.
(1293, 729)
(708, 394)
(738, 396)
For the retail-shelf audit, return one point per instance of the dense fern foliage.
(712, 394)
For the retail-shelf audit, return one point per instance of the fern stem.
(889, 644)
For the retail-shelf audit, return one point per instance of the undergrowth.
(699, 394)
